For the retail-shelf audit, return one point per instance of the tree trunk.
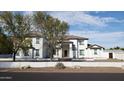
(51, 55)
(14, 57)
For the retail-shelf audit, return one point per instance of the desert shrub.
(28, 66)
(25, 67)
(60, 66)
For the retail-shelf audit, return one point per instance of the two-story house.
(73, 47)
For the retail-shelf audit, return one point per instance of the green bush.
(60, 66)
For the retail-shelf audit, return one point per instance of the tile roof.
(67, 41)
(34, 34)
(68, 37)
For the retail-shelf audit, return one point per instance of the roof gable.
(95, 46)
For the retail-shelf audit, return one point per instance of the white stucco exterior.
(38, 47)
(72, 48)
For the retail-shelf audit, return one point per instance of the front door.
(65, 53)
(110, 55)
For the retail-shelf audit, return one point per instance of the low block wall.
(119, 56)
(68, 64)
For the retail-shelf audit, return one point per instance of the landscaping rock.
(25, 67)
(76, 67)
(122, 67)
(60, 66)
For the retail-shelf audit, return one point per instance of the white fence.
(67, 64)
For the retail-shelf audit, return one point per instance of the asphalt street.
(33, 76)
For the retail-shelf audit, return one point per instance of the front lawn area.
(68, 70)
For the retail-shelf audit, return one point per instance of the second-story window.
(37, 40)
(81, 42)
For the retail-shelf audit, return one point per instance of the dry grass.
(109, 60)
(68, 70)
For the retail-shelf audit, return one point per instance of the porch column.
(32, 52)
(70, 51)
(60, 53)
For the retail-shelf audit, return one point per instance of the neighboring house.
(73, 47)
(95, 51)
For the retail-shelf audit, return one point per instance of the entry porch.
(66, 51)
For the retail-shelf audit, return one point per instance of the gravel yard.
(68, 70)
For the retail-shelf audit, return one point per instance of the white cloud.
(107, 39)
(111, 19)
(83, 17)
(79, 17)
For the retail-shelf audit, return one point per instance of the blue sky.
(105, 28)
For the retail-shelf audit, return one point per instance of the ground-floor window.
(17, 54)
(95, 52)
(57, 52)
(82, 52)
(26, 52)
(37, 52)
